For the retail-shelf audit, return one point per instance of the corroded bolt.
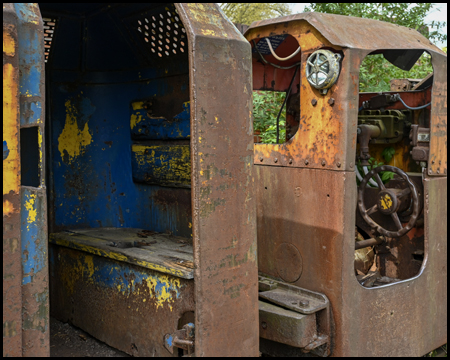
(306, 162)
(275, 160)
(432, 161)
(331, 101)
(304, 303)
(338, 164)
(323, 162)
(437, 170)
(290, 161)
(314, 102)
(261, 158)
(264, 325)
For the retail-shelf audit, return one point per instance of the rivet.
(351, 164)
(304, 303)
(437, 170)
(306, 162)
(331, 101)
(261, 158)
(290, 161)
(430, 171)
(275, 160)
(432, 161)
(338, 164)
(323, 162)
(314, 102)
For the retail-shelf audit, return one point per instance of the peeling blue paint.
(169, 340)
(33, 239)
(5, 150)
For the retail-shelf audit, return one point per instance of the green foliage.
(266, 106)
(373, 163)
(246, 13)
(376, 72)
(388, 153)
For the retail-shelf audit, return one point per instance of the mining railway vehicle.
(137, 207)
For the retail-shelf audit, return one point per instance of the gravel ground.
(69, 341)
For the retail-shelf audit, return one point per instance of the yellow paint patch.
(160, 287)
(8, 208)
(11, 165)
(9, 44)
(72, 139)
(30, 205)
(386, 202)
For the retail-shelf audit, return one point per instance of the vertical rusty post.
(226, 294)
(12, 270)
(35, 303)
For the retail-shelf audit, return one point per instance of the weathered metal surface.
(291, 208)
(162, 164)
(35, 291)
(226, 314)
(35, 287)
(12, 269)
(160, 252)
(345, 31)
(124, 305)
(286, 326)
(146, 127)
(438, 128)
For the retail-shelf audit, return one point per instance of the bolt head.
(314, 102)
(264, 325)
(304, 303)
(290, 161)
(275, 160)
(331, 101)
(338, 164)
(323, 162)
(261, 158)
(306, 162)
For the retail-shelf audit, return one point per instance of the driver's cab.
(352, 196)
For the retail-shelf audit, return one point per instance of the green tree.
(376, 72)
(246, 13)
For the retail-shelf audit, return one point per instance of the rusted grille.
(164, 33)
(49, 29)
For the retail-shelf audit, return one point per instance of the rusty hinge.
(183, 339)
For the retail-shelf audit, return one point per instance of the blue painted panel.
(33, 233)
(91, 163)
(31, 52)
(146, 128)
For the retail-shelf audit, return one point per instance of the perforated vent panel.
(49, 29)
(164, 33)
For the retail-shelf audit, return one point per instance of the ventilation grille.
(49, 29)
(164, 33)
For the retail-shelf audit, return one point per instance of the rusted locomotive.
(128, 145)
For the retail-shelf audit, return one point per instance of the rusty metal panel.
(313, 211)
(12, 269)
(226, 293)
(326, 138)
(354, 32)
(126, 306)
(438, 128)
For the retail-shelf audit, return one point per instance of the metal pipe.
(369, 242)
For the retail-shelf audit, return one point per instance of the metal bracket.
(183, 339)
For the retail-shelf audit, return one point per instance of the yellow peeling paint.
(72, 139)
(138, 105)
(8, 208)
(40, 146)
(208, 32)
(31, 208)
(11, 165)
(165, 295)
(9, 44)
